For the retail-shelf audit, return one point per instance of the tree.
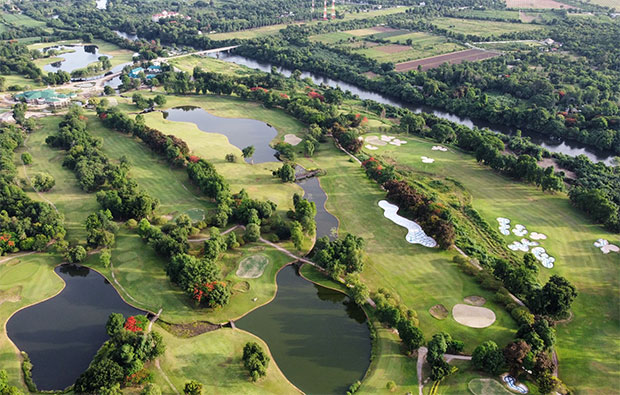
(105, 257)
(286, 173)
(248, 151)
(192, 388)
(76, 254)
(410, 335)
(515, 354)
(26, 158)
(488, 357)
(151, 389)
(309, 147)
(5, 388)
(115, 324)
(43, 182)
(255, 360)
(547, 383)
(297, 235)
(160, 100)
(252, 232)
(108, 90)
(554, 299)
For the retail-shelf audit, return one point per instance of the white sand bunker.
(473, 316)
(523, 245)
(519, 230)
(605, 247)
(439, 148)
(427, 159)
(370, 147)
(291, 139)
(374, 140)
(398, 142)
(415, 234)
(252, 266)
(538, 236)
(545, 259)
(504, 226)
(387, 138)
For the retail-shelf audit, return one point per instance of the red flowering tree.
(193, 158)
(136, 323)
(212, 294)
(316, 95)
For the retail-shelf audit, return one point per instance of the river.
(318, 337)
(565, 147)
(62, 334)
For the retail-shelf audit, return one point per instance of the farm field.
(422, 45)
(570, 240)
(418, 274)
(615, 4)
(469, 55)
(19, 20)
(550, 4)
(481, 27)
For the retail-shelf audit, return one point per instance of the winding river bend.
(566, 147)
(318, 337)
(61, 335)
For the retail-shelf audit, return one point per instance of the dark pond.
(318, 337)
(62, 334)
(80, 57)
(326, 223)
(565, 147)
(240, 132)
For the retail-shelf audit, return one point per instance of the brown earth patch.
(468, 55)
(393, 48)
(11, 295)
(542, 4)
(475, 300)
(241, 287)
(192, 329)
(546, 162)
(439, 311)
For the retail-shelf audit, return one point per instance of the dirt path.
(421, 357)
(223, 233)
(450, 357)
(8, 258)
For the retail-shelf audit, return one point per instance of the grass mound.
(241, 287)
(487, 387)
(475, 300)
(439, 311)
(252, 266)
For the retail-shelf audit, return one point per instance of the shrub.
(27, 370)
(255, 360)
(76, 254)
(26, 158)
(43, 182)
(192, 388)
(232, 158)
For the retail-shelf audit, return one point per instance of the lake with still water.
(318, 337)
(62, 334)
(240, 132)
(79, 57)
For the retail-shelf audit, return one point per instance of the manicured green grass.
(187, 64)
(615, 4)
(21, 20)
(171, 186)
(486, 386)
(421, 276)
(586, 345)
(257, 179)
(214, 359)
(66, 195)
(15, 79)
(32, 279)
(481, 27)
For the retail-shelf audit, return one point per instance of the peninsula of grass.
(587, 356)
(214, 359)
(27, 280)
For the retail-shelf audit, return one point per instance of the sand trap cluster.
(473, 316)
(475, 300)
(545, 259)
(523, 245)
(291, 139)
(426, 159)
(374, 140)
(371, 147)
(439, 148)
(439, 311)
(519, 230)
(415, 234)
(605, 247)
(252, 266)
(538, 236)
(504, 226)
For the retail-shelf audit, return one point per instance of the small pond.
(79, 57)
(240, 132)
(318, 337)
(61, 335)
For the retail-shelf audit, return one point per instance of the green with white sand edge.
(588, 361)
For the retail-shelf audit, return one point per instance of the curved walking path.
(8, 258)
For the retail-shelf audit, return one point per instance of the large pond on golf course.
(240, 132)
(568, 147)
(79, 57)
(61, 335)
(318, 337)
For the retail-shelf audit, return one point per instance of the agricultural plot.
(332, 38)
(469, 55)
(542, 4)
(370, 31)
(615, 4)
(481, 27)
(411, 45)
(591, 367)
(20, 20)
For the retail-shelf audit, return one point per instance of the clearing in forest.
(469, 55)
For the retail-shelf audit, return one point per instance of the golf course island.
(249, 197)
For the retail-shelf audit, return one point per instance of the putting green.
(487, 387)
(196, 214)
(252, 266)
